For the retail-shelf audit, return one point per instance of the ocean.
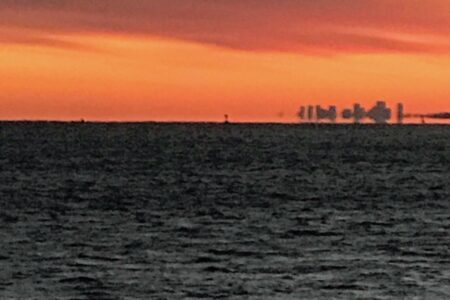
(217, 211)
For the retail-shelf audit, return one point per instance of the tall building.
(302, 113)
(310, 113)
(326, 114)
(359, 113)
(400, 113)
(380, 113)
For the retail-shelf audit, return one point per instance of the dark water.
(153, 211)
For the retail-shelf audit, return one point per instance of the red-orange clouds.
(319, 26)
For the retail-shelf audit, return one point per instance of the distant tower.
(310, 112)
(329, 114)
(319, 113)
(302, 113)
(380, 113)
(347, 114)
(400, 113)
(227, 121)
(333, 113)
(359, 113)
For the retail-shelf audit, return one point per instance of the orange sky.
(195, 60)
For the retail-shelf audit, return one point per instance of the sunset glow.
(67, 62)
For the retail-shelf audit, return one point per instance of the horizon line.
(85, 121)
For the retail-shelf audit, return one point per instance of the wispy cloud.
(38, 39)
(319, 26)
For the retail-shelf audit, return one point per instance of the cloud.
(319, 26)
(39, 39)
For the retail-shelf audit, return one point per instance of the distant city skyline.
(380, 113)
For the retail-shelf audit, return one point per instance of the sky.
(196, 60)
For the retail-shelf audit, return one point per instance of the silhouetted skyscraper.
(326, 114)
(359, 112)
(310, 112)
(380, 113)
(302, 113)
(400, 113)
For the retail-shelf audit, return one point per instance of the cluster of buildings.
(379, 114)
